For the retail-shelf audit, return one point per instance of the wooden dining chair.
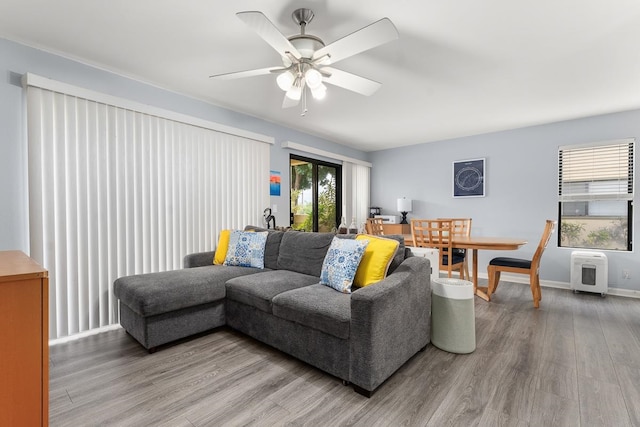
(374, 226)
(435, 233)
(461, 227)
(522, 266)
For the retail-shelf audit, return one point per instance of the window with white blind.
(596, 195)
(117, 188)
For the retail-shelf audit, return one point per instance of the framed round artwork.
(469, 178)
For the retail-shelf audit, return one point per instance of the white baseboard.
(84, 334)
(521, 278)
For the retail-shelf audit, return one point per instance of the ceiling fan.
(306, 59)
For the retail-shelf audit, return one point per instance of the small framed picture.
(468, 178)
(274, 183)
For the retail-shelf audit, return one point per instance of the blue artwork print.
(274, 183)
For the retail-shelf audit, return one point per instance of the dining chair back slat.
(461, 227)
(374, 226)
(436, 233)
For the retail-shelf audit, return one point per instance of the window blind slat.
(596, 172)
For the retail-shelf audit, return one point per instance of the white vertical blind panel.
(361, 188)
(358, 181)
(348, 195)
(115, 192)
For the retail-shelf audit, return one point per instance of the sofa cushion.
(157, 293)
(376, 259)
(341, 263)
(317, 307)
(246, 249)
(257, 290)
(272, 247)
(304, 252)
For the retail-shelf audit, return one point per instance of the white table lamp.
(404, 207)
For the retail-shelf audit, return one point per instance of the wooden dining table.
(476, 243)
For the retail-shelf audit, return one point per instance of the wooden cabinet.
(24, 343)
(397, 228)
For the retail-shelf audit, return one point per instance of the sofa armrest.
(199, 259)
(390, 322)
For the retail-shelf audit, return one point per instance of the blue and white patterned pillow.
(246, 249)
(341, 262)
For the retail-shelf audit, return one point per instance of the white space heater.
(589, 272)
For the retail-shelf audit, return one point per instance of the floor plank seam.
(68, 396)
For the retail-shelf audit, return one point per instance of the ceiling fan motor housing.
(306, 44)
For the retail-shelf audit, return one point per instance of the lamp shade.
(405, 205)
(285, 80)
(318, 92)
(295, 93)
(313, 78)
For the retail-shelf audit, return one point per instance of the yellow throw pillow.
(221, 249)
(376, 259)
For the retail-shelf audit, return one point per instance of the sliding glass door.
(315, 194)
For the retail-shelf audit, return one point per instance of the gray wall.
(521, 186)
(16, 59)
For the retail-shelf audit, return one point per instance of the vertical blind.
(360, 176)
(115, 192)
(601, 171)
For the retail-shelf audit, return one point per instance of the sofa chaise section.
(157, 308)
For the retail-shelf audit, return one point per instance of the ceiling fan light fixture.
(285, 80)
(313, 78)
(295, 92)
(305, 57)
(319, 92)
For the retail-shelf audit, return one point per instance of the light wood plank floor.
(573, 362)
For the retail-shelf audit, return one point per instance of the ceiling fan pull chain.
(304, 102)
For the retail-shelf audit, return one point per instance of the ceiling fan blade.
(350, 81)
(265, 29)
(380, 32)
(247, 73)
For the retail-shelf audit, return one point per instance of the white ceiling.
(459, 67)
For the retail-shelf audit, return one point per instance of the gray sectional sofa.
(361, 338)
